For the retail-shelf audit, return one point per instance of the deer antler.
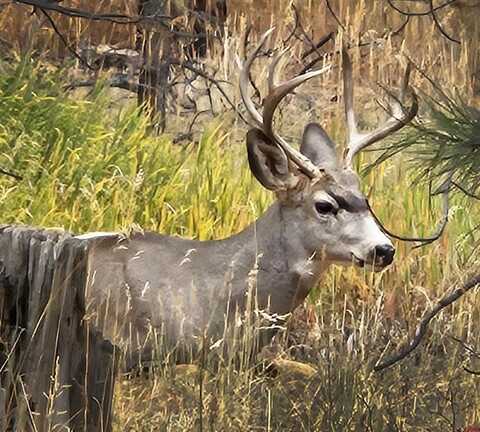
(274, 97)
(357, 141)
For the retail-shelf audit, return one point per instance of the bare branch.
(444, 191)
(466, 347)
(473, 353)
(439, 26)
(189, 134)
(329, 7)
(402, 27)
(432, 12)
(10, 174)
(429, 12)
(465, 191)
(323, 40)
(295, 27)
(313, 46)
(422, 327)
(65, 42)
(78, 13)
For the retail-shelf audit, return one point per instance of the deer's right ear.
(268, 163)
(318, 147)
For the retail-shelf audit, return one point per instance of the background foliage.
(87, 166)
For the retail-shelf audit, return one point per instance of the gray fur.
(149, 283)
(318, 147)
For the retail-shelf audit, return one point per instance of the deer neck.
(270, 253)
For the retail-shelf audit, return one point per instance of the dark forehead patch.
(344, 189)
(353, 203)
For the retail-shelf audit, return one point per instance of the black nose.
(384, 254)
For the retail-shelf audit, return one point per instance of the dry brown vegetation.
(364, 20)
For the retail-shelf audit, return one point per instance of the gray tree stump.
(56, 373)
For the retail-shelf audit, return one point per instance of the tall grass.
(88, 167)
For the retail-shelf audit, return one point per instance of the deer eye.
(324, 207)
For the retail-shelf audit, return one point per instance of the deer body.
(149, 283)
(183, 286)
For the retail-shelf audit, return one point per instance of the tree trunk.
(156, 45)
(214, 12)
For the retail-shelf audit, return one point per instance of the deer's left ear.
(268, 162)
(318, 146)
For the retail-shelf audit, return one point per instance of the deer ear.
(268, 163)
(318, 146)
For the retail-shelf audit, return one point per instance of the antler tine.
(348, 97)
(244, 80)
(276, 94)
(273, 68)
(356, 141)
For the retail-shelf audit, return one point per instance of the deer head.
(323, 207)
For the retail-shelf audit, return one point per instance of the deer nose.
(384, 254)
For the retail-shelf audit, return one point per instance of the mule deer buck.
(148, 281)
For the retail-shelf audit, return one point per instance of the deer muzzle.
(382, 255)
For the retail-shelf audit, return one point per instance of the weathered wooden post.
(56, 373)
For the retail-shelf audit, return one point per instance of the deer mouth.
(375, 266)
(357, 261)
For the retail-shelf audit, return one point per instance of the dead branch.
(323, 40)
(329, 7)
(465, 191)
(471, 351)
(53, 6)
(119, 81)
(466, 347)
(10, 174)
(402, 27)
(212, 80)
(64, 41)
(303, 36)
(422, 327)
(443, 191)
(431, 11)
(189, 134)
(439, 26)
(46, 6)
(294, 30)
(314, 47)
